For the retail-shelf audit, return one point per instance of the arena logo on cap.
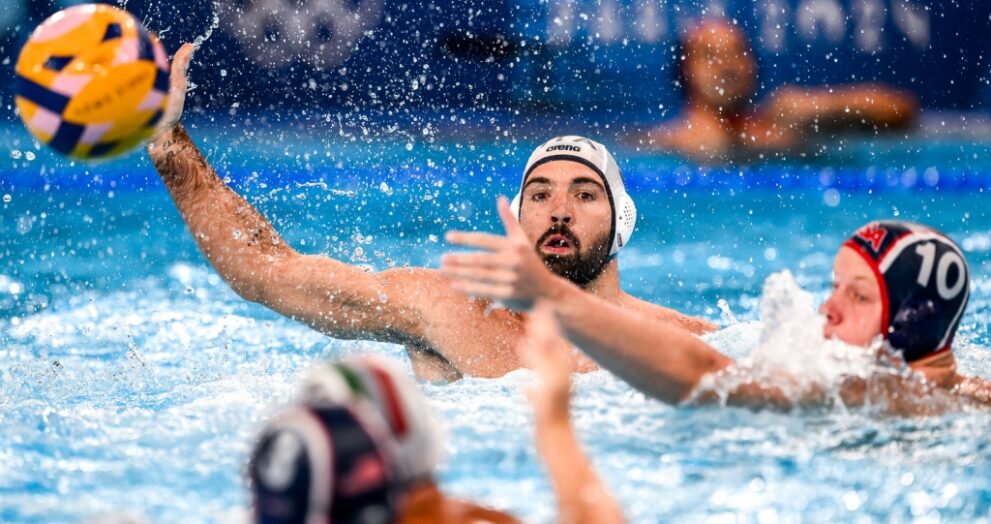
(576, 149)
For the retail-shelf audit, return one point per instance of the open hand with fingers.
(507, 268)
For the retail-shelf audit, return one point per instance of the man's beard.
(579, 267)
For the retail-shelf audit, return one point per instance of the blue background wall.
(402, 56)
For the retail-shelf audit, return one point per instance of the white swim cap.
(395, 395)
(594, 155)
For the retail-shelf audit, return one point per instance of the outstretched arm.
(251, 256)
(581, 496)
(659, 358)
(870, 104)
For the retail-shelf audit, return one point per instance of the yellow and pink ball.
(92, 82)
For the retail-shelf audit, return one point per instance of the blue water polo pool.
(133, 379)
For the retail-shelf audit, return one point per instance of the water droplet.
(236, 233)
(831, 197)
(29, 155)
(7, 198)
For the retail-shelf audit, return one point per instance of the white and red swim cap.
(397, 399)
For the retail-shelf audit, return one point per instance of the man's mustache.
(562, 230)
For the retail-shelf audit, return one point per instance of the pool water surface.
(133, 379)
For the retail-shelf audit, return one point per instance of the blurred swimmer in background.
(719, 121)
(898, 282)
(360, 446)
(572, 201)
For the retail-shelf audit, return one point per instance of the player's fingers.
(180, 66)
(509, 220)
(482, 290)
(541, 326)
(476, 274)
(473, 239)
(486, 260)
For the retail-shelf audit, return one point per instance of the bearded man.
(572, 200)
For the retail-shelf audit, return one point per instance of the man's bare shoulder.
(696, 325)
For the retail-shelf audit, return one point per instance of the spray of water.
(214, 24)
(794, 365)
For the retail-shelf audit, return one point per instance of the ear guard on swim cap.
(395, 396)
(924, 282)
(595, 156)
(322, 465)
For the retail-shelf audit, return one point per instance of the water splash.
(214, 24)
(794, 365)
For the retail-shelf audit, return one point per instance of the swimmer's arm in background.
(330, 296)
(660, 359)
(581, 495)
(870, 104)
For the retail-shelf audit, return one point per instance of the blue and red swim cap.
(924, 282)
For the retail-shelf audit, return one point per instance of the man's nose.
(561, 212)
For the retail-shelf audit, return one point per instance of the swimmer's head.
(573, 202)
(323, 464)
(905, 281)
(718, 69)
(395, 397)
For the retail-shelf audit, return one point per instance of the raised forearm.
(237, 240)
(581, 496)
(660, 360)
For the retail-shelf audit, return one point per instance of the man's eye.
(585, 195)
(537, 197)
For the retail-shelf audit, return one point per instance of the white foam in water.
(792, 339)
(792, 356)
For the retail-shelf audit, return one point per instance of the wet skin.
(853, 310)
(667, 362)
(571, 198)
(447, 335)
